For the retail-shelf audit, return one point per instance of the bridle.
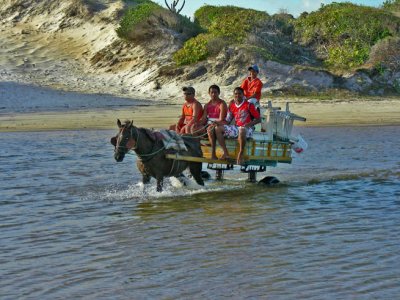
(122, 140)
(142, 157)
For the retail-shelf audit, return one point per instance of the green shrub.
(230, 22)
(187, 27)
(215, 44)
(265, 53)
(283, 23)
(193, 50)
(386, 54)
(343, 33)
(224, 25)
(350, 54)
(135, 15)
(146, 19)
(392, 5)
(206, 14)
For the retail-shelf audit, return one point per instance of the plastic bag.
(300, 145)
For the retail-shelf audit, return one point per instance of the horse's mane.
(148, 132)
(127, 123)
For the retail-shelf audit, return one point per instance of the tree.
(173, 5)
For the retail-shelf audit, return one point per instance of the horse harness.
(150, 155)
(143, 157)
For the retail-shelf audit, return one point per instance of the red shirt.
(213, 111)
(252, 86)
(242, 113)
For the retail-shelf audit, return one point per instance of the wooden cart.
(271, 144)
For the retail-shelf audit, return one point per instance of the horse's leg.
(182, 178)
(145, 178)
(195, 170)
(160, 183)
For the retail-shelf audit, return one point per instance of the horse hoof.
(269, 180)
(182, 179)
(205, 175)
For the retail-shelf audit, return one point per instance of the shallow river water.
(76, 224)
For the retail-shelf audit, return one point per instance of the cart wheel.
(205, 175)
(269, 180)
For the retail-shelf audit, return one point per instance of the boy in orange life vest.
(252, 86)
(192, 111)
(242, 112)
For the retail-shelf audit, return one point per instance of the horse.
(151, 152)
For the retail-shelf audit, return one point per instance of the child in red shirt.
(252, 86)
(245, 115)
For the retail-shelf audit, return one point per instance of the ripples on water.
(75, 224)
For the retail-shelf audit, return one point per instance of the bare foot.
(224, 156)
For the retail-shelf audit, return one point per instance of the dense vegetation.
(343, 33)
(140, 12)
(339, 36)
(223, 25)
(267, 36)
(144, 16)
(393, 5)
(230, 22)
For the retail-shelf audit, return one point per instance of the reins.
(145, 157)
(137, 138)
(142, 157)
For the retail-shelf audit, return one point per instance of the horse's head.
(124, 140)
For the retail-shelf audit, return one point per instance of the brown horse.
(151, 153)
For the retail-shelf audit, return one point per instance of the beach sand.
(356, 113)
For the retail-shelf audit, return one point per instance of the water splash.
(173, 188)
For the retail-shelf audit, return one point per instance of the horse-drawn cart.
(271, 144)
(164, 153)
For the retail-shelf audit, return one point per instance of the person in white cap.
(252, 86)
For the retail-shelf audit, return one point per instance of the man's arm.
(229, 116)
(203, 119)
(255, 114)
(222, 115)
(181, 120)
(252, 123)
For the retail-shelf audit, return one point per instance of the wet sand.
(356, 113)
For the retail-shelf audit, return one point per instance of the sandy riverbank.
(160, 116)
(32, 108)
